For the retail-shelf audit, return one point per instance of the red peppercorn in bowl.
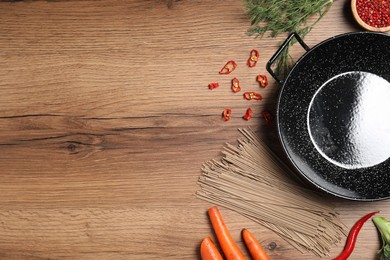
(372, 15)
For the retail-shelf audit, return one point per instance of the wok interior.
(348, 120)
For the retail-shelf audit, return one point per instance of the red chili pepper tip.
(229, 67)
(248, 114)
(226, 114)
(213, 85)
(352, 237)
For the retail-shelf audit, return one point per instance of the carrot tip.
(208, 250)
(253, 245)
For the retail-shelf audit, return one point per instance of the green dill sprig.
(277, 16)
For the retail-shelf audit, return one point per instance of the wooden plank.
(106, 119)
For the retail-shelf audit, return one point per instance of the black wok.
(333, 115)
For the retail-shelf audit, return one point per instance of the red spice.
(248, 114)
(226, 114)
(267, 117)
(252, 96)
(253, 58)
(263, 81)
(213, 85)
(229, 67)
(375, 13)
(236, 85)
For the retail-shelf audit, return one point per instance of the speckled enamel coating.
(364, 52)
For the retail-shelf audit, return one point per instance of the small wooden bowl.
(362, 23)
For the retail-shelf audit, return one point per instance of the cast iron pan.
(333, 115)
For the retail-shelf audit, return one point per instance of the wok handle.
(280, 50)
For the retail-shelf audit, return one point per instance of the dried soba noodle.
(252, 181)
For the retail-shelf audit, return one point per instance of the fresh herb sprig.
(277, 16)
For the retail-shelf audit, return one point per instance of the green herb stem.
(276, 17)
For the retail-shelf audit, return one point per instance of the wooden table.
(106, 119)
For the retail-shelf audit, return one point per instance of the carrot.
(229, 247)
(208, 251)
(255, 249)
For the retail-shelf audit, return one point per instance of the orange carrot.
(208, 251)
(229, 247)
(255, 249)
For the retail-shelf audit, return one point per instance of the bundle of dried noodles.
(252, 181)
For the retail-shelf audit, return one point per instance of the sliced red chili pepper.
(352, 237)
(227, 113)
(253, 58)
(213, 85)
(252, 95)
(229, 67)
(248, 114)
(236, 85)
(268, 117)
(263, 81)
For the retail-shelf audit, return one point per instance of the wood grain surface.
(106, 119)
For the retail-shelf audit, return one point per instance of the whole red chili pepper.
(253, 58)
(213, 85)
(229, 67)
(236, 85)
(227, 113)
(263, 81)
(352, 237)
(267, 116)
(252, 95)
(248, 114)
